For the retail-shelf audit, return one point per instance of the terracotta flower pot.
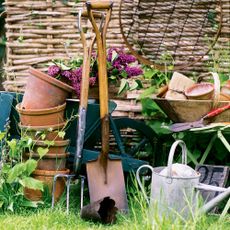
(47, 178)
(50, 131)
(58, 147)
(49, 161)
(37, 117)
(43, 91)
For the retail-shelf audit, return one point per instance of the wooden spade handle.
(99, 4)
(95, 14)
(102, 78)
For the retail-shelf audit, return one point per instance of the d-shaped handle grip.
(95, 14)
(97, 5)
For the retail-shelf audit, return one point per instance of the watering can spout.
(212, 203)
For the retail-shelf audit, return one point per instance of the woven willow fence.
(39, 31)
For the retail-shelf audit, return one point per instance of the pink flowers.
(119, 65)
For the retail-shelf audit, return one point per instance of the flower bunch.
(119, 65)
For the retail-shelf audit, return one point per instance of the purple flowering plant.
(122, 68)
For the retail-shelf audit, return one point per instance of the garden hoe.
(105, 175)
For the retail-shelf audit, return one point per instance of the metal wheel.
(130, 138)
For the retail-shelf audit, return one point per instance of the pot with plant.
(123, 71)
(43, 91)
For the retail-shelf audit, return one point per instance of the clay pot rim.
(40, 111)
(51, 80)
(209, 90)
(40, 172)
(47, 155)
(42, 127)
(56, 143)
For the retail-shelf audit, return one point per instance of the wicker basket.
(193, 110)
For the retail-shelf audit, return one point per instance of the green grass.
(46, 218)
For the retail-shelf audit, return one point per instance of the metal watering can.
(175, 195)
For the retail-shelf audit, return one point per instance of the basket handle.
(216, 98)
(171, 155)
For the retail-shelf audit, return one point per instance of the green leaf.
(149, 73)
(31, 204)
(123, 86)
(42, 151)
(64, 67)
(20, 39)
(124, 74)
(133, 85)
(16, 172)
(11, 206)
(61, 134)
(2, 135)
(112, 77)
(43, 136)
(30, 182)
(49, 143)
(114, 56)
(31, 165)
(148, 92)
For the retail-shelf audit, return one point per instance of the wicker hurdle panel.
(40, 31)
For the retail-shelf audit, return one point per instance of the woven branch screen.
(39, 31)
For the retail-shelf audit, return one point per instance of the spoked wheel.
(130, 138)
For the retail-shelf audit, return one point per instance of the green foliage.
(15, 175)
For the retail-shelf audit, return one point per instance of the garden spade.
(177, 127)
(87, 52)
(105, 175)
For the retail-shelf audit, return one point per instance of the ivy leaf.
(30, 182)
(15, 172)
(49, 143)
(123, 86)
(30, 165)
(61, 134)
(42, 151)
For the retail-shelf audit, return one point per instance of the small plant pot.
(58, 147)
(201, 91)
(47, 132)
(46, 176)
(49, 161)
(41, 117)
(43, 91)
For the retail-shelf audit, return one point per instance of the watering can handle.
(139, 180)
(171, 155)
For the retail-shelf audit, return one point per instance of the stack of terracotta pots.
(42, 118)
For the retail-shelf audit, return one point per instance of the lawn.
(138, 218)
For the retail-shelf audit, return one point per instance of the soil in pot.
(49, 161)
(56, 147)
(44, 132)
(43, 91)
(41, 117)
(47, 177)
